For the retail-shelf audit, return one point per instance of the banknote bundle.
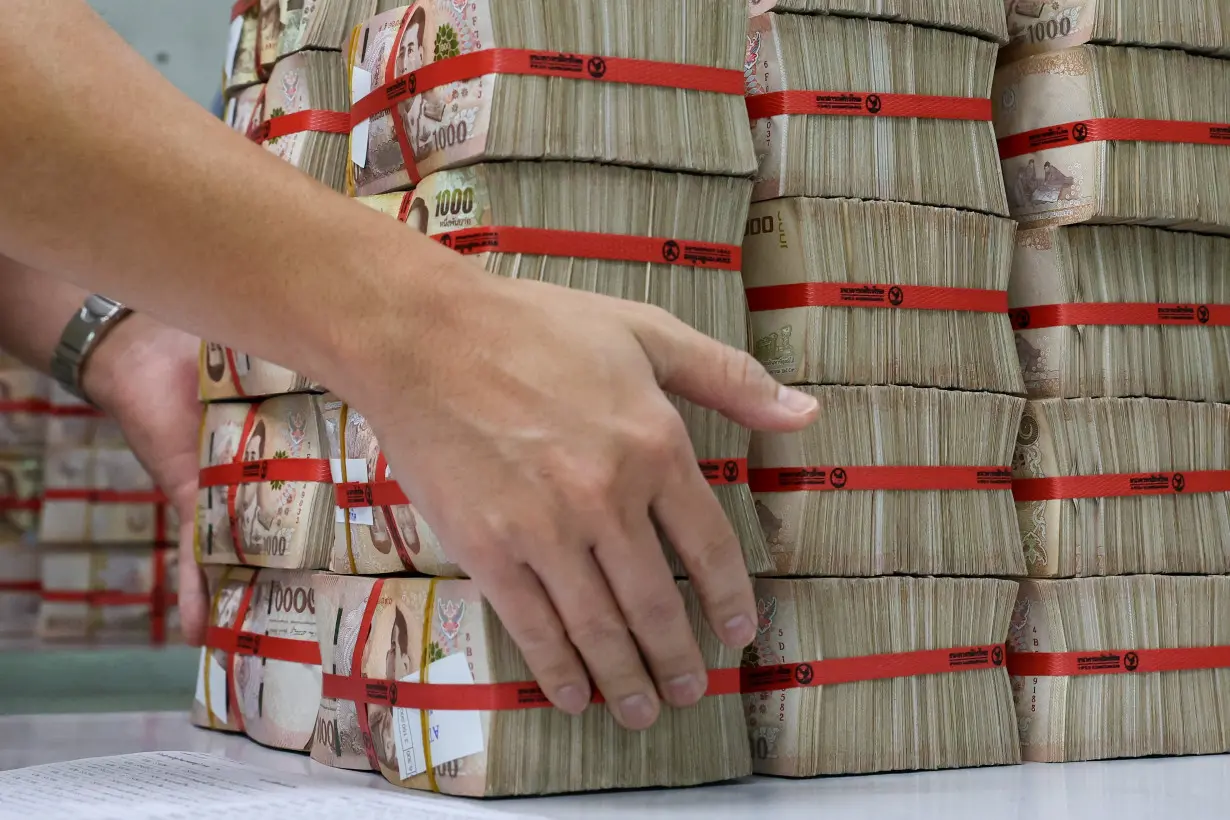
(894, 480)
(1121, 667)
(260, 667)
(897, 673)
(24, 409)
(1037, 26)
(677, 250)
(1114, 486)
(241, 67)
(376, 539)
(982, 17)
(266, 497)
(845, 107)
(20, 491)
(112, 595)
(689, 116)
(315, 82)
(846, 291)
(1122, 311)
(228, 374)
(442, 631)
(245, 111)
(1113, 134)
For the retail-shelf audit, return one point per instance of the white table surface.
(1193, 788)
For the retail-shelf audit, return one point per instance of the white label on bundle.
(200, 679)
(217, 687)
(232, 46)
(356, 470)
(452, 735)
(360, 87)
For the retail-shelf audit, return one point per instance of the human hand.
(540, 446)
(144, 374)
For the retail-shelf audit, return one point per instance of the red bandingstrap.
(1116, 661)
(868, 104)
(75, 411)
(269, 469)
(356, 673)
(730, 681)
(855, 295)
(390, 520)
(12, 502)
(25, 406)
(104, 496)
(230, 365)
(580, 244)
(718, 472)
(21, 586)
(242, 7)
(157, 599)
(232, 490)
(796, 479)
(325, 122)
(1118, 313)
(1120, 485)
(1114, 130)
(236, 641)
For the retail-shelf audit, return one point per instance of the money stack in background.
(659, 223)
(107, 536)
(23, 426)
(1119, 303)
(876, 259)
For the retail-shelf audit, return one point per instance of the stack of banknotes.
(23, 430)
(1114, 132)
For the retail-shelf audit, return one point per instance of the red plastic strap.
(238, 642)
(539, 64)
(11, 502)
(796, 479)
(1118, 313)
(325, 122)
(1108, 129)
(241, 614)
(232, 490)
(390, 521)
(411, 83)
(356, 673)
(906, 297)
(230, 364)
(25, 406)
(20, 586)
(269, 469)
(380, 493)
(104, 496)
(1120, 485)
(747, 680)
(868, 104)
(618, 247)
(75, 411)
(1116, 661)
(242, 7)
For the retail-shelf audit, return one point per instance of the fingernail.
(684, 690)
(637, 711)
(796, 401)
(572, 699)
(739, 630)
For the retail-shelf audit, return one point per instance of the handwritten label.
(360, 87)
(452, 735)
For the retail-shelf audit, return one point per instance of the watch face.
(98, 307)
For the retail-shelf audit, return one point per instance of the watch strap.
(96, 318)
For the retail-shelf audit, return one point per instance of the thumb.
(691, 365)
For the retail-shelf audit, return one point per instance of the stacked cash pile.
(107, 536)
(877, 256)
(1119, 297)
(23, 424)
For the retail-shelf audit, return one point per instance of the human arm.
(527, 421)
(143, 374)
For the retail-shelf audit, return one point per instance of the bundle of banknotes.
(837, 498)
(877, 260)
(846, 71)
(20, 494)
(1121, 667)
(922, 719)
(498, 116)
(693, 214)
(266, 496)
(260, 667)
(1077, 291)
(420, 630)
(24, 397)
(1067, 159)
(1038, 26)
(1103, 486)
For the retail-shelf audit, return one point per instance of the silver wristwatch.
(81, 335)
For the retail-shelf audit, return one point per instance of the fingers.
(526, 612)
(641, 581)
(193, 597)
(692, 365)
(692, 518)
(599, 632)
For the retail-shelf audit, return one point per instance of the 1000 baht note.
(340, 602)
(1038, 26)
